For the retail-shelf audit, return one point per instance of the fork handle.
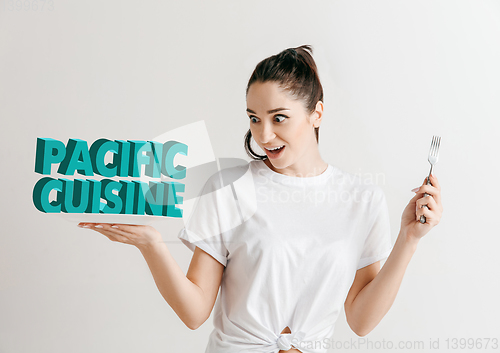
(422, 217)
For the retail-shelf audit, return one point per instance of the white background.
(394, 74)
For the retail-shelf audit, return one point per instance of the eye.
(254, 119)
(282, 116)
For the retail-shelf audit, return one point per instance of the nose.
(266, 133)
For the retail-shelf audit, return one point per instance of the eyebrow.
(269, 111)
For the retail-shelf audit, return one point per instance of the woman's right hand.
(141, 236)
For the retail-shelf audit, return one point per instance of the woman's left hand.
(410, 220)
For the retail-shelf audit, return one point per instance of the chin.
(279, 164)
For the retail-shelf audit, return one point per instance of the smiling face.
(278, 120)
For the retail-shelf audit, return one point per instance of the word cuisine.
(126, 196)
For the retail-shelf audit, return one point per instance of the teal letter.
(41, 193)
(97, 152)
(153, 169)
(127, 194)
(171, 189)
(139, 201)
(76, 195)
(48, 151)
(77, 159)
(94, 205)
(113, 201)
(170, 149)
(121, 160)
(137, 158)
(154, 204)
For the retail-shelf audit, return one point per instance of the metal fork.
(433, 159)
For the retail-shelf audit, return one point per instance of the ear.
(317, 115)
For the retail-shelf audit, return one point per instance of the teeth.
(269, 149)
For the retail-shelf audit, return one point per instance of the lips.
(276, 153)
(276, 150)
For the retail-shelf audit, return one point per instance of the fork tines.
(436, 141)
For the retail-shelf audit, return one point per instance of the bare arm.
(191, 296)
(373, 292)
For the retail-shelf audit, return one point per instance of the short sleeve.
(215, 249)
(378, 244)
(203, 228)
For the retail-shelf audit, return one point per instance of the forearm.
(376, 298)
(185, 297)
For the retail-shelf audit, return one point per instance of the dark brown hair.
(295, 71)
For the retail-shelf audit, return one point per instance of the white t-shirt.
(291, 247)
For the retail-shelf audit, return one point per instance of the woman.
(313, 242)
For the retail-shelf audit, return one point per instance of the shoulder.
(231, 171)
(362, 186)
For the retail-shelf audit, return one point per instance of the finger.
(430, 216)
(128, 228)
(434, 205)
(427, 200)
(425, 212)
(90, 225)
(113, 230)
(113, 237)
(431, 190)
(413, 201)
(417, 193)
(102, 228)
(424, 183)
(435, 182)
